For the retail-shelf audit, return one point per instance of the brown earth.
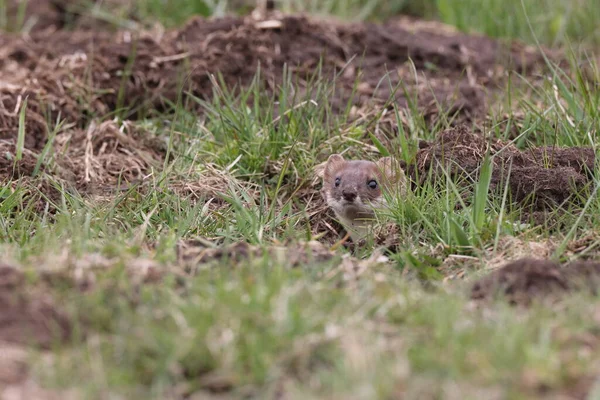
(29, 316)
(81, 73)
(12, 168)
(543, 177)
(525, 279)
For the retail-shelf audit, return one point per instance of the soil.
(12, 168)
(526, 279)
(79, 74)
(29, 316)
(541, 178)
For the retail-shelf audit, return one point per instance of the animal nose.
(349, 195)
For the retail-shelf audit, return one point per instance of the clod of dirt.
(460, 152)
(29, 316)
(543, 178)
(581, 159)
(549, 187)
(523, 280)
(10, 168)
(37, 15)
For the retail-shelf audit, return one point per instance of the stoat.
(353, 189)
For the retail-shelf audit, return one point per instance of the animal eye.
(337, 182)
(372, 184)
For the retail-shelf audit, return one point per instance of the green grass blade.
(481, 192)
(21, 131)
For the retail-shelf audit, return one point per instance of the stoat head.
(353, 188)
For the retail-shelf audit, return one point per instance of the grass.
(559, 23)
(344, 327)
(256, 327)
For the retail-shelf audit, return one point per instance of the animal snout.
(349, 195)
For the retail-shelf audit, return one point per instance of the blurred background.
(552, 22)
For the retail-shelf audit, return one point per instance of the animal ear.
(388, 167)
(392, 172)
(333, 162)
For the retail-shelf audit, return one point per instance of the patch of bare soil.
(13, 364)
(542, 178)
(36, 14)
(29, 316)
(78, 74)
(526, 279)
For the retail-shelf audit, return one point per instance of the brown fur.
(353, 199)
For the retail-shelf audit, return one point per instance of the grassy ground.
(343, 327)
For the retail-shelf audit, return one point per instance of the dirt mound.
(28, 316)
(79, 74)
(523, 280)
(96, 161)
(542, 178)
